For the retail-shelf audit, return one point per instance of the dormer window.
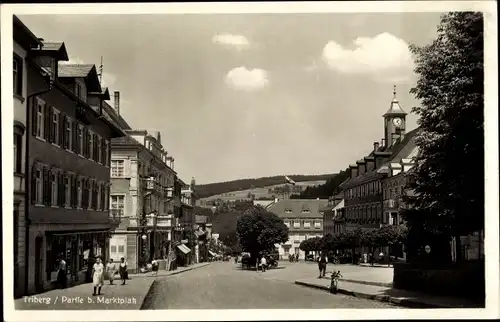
(306, 210)
(288, 211)
(80, 91)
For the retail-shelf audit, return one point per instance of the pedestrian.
(322, 261)
(263, 263)
(62, 277)
(154, 266)
(372, 260)
(111, 271)
(98, 276)
(123, 270)
(297, 257)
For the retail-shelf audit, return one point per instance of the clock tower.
(394, 122)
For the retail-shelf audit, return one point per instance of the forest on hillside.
(211, 189)
(326, 190)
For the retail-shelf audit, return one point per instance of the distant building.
(304, 219)
(333, 215)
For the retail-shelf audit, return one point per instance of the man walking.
(322, 260)
(263, 263)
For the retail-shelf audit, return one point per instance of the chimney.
(375, 146)
(354, 171)
(117, 102)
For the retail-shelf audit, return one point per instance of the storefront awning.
(183, 249)
(212, 253)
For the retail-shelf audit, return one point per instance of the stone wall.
(463, 280)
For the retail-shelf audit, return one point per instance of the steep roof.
(56, 47)
(115, 116)
(75, 70)
(298, 208)
(23, 35)
(399, 150)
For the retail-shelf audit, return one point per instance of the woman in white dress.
(98, 276)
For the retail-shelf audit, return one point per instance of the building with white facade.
(304, 219)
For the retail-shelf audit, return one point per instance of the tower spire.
(394, 92)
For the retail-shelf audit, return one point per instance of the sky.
(252, 95)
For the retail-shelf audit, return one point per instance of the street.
(223, 285)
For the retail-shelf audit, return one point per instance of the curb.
(366, 282)
(185, 270)
(380, 298)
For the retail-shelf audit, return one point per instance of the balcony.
(164, 222)
(390, 203)
(169, 192)
(19, 183)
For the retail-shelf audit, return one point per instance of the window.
(55, 127)
(53, 182)
(288, 211)
(38, 187)
(40, 116)
(90, 188)
(113, 249)
(18, 75)
(98, 154)
(67, 190)
(306, 210)
(307, 224)
(80, 91)
(79, 139)
(287, 224)
(296, 224)
(18, 153)
(68, 129)
(79, 193)
(117, 168)
(121, 249)
(317, 224)
(105, 159)
(99, 189)
(117, 206)
(90, 144)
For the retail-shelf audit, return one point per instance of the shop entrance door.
(38, 264)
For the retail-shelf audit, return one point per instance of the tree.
(447, 178)
(259, 230)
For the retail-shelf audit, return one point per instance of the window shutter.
(46, 130)
(61, 191)
(74, 136)
(62, 131)
(85, 138)
(33, 184)
(73, 191)
(34, 112)
(46, 187)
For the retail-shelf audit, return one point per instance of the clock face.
(397, 121)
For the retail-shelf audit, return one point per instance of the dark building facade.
(68, 159)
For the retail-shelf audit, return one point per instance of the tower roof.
(395, 108)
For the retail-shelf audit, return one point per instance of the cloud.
(384, 57)
(241, 78)
(227, 40)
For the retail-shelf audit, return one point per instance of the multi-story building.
(24, 42)
(142, 178)
(333, 215)
(68, 155)
(304, 219)
(363, 192)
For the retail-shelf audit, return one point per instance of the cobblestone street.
(223, 285)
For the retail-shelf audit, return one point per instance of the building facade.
(333, 215)
(68, 156)
(24, 42)
(141, 202)
(363, 191)
(303, 217)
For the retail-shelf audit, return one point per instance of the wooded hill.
(212, 189)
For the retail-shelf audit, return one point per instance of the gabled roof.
(296, 206)
(399, 150)
(86, 71)
(56, 48)
(117, 118)
(23, 35)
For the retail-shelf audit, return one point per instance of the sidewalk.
(387, 294)
(113, 297)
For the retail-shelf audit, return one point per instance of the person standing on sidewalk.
(98, 276)
(154, 266)
(123, 270)
(62, 278)
(111, 271)
(322, 261)
(263, 263)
